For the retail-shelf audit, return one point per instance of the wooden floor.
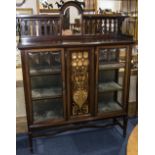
(132, 146)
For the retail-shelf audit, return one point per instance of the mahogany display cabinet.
(75, 71)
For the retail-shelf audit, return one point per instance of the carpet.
(105, 141)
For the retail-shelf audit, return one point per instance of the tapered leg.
(125, 122)
(30, 142)
(114, 120)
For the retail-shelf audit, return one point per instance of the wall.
(106, 4)
(20, 98)
(30, 4)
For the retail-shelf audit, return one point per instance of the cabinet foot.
(125, 122)
(30, 142)
(114, 121)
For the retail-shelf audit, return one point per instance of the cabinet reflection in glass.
(46, 86)
(44, 62)
(112, 55)
(47, 109)
(109, 101)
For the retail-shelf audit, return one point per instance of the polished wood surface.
(132, 146)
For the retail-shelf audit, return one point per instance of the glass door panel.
(46, 86)
(110, 80)
(108, 102)
(47, 109)
(44, 62)
(46, 79)
(111, 67)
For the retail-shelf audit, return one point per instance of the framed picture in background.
(20, 11)
(49, 6)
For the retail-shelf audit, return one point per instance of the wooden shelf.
(109, 86)
(111, 66)
(46, 93)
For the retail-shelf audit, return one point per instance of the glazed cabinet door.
(80, 82)
(111, 79)
(46, 85)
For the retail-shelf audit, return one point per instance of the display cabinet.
(71, 80)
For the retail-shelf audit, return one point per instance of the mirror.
(71, 21)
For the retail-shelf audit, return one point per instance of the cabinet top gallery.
(71, 27)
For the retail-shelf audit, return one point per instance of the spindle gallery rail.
(43, 26)
(102, 25)
(39, 25)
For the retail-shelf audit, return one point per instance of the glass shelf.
(46, 93)
(44, 71)
(47, 86)
(109, 86)
(110, 106)
(111, 66)
(47, 109)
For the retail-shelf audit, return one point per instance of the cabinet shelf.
(46, 93)
(109, 86)
(111, 66)
(110, 106)
(45, 71)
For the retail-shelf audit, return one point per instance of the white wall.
(111, 4)
(30, 4)
(20, 98)
(20, 102)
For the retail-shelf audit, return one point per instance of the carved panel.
(79, 80)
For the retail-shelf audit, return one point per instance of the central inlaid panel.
(80, 82)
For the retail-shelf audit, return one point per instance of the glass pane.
(44, 62)
(47, 109)
(111, 80)
(46, 86)
(108, 101)
(112, 56)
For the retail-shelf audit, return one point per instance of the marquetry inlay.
(79, 77)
